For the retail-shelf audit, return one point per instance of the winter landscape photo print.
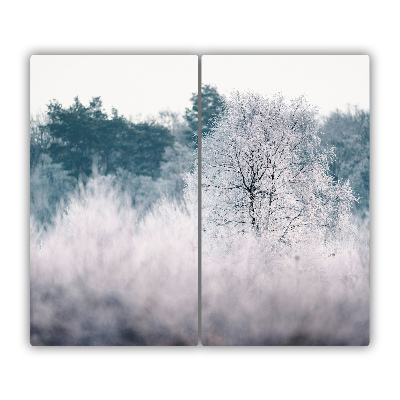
(113, 200)
(285, 200)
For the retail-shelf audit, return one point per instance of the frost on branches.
(264, 170)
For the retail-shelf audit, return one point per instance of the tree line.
(76, 136)
(145, 159)
(149, 157)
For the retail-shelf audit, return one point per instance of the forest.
(285, 224)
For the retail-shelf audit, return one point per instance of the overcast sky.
(148, 84)
(134, 85)
(329, 82)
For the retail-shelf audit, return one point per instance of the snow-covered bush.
(252, 296)
(101, 276)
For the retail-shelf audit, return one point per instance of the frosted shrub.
(100, 276)
(302, 296)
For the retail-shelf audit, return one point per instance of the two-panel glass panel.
(114, 195)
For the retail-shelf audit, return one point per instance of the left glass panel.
(113, 200)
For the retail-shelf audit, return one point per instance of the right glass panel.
(285, 200)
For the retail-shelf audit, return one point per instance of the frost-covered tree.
(39, 138)
(50, 186)
(348, 132)
(178, 127)
(264, 171)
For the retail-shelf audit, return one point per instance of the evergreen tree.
(81, 135)
(212, 104)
